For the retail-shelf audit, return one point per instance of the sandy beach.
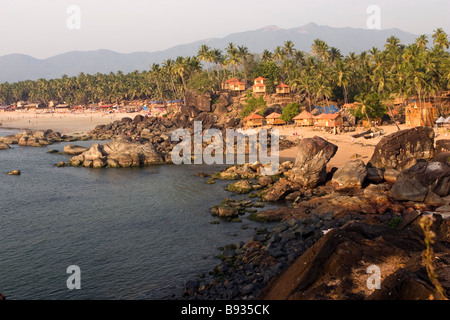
(82, 123)
(65, 123)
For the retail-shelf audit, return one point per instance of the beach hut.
(304, 119)
(329, 120)
(233, 85)
(254, 120)
(274, 119)
(259, 85)
(32, 106)
(283, 89)
(417, 115)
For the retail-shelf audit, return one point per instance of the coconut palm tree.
(204, 54)
(267, 56)
(320, 49)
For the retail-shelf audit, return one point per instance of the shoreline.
(79, 124)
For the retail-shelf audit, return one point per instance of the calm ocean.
(136, 233)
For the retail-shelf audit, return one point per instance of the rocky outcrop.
(402, 149)
(202, 101)
(118, 153)
(350, 176)
(311, 160)
(74, 149)
(425, 181)
(29, 138)
(336, 266)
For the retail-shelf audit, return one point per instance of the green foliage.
(252, 105)
(201, 82)
(290, 111)
(370, 105)
(268, 70)
(393, 224)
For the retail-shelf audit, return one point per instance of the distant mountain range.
(18, 67)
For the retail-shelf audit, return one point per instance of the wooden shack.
(304, 119)
(283, 89)
(254, 120)
(329, 120)
(233, 85)
(417, 114)
(275, 119)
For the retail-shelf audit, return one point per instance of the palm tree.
(180, 67)
(343, 74)
(422, 42)
(204, 54)
(320, 49)
(279, 54)
(440, 39)
(289, 48)
(267, 56)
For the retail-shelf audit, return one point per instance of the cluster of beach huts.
(147, 106)
(259, 87)
(326, 117)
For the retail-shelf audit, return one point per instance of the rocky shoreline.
(338, 222)
(334, 222)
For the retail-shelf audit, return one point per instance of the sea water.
(135, 233)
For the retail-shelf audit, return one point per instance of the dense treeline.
(420, 70)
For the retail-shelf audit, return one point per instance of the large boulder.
(278, 191)
(311, 160)
(350, 176)
(337, 267)
(401, 150)
(118, 153)
(202, 101)
(434, 176)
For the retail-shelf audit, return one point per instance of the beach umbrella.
(440, 120)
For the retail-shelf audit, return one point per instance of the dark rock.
(374, 175)
(442, 145)
(332, 266)
(202, 101)
(409, 190)
(432, 175)
(399, 149)
(350, 176)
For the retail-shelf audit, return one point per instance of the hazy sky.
(39, 27)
